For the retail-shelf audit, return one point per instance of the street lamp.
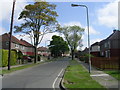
(75, 5)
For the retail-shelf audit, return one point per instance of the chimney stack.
(114, 30)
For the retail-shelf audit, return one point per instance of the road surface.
(46, 75)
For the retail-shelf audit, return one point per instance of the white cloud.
(108, 15)
(92, 31)
(6, 9)
(2, 30)
(48, 37)
(72, 24)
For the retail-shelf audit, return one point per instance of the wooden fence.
(105, 63)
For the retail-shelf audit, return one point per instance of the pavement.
(102, 78)
(47, 75)
(5, 68)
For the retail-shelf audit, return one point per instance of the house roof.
(94, 44)
(114, 35)
(6, 36)
(25, 43)
(42, 49)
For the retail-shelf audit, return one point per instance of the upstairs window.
(7, 43)
(16, 46)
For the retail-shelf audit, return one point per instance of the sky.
(103, 18)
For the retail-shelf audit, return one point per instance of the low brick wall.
(105, 63)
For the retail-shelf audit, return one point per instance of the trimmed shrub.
(0, 57)
(5, 58)
(13, 58)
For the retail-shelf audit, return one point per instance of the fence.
(105, 63)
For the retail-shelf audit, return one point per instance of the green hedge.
(5, 57)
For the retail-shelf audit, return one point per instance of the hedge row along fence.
(4, 57)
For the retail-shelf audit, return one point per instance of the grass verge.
(77, 77)
(17, 68)
(113, 73)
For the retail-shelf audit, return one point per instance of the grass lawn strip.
(18, 68)
(78, 77)
(114, 73)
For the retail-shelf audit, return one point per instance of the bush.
(13, 58)
(0, 57)
(4, 58)
(20, 55)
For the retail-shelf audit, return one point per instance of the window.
(102, 53)
(22, 47)
(16, 46)
(105, 44)
(106, 54)
(109, 44)
(7, 43)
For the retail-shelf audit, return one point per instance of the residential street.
(46, 75)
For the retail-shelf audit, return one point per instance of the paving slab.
(101, 77)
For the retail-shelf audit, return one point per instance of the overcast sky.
(103, 18)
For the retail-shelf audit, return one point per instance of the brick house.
(43, 51)
(19, 45)
(110, 47)
(95, 49)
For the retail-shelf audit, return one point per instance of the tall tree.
(73, 36)
(58, 46)
(39, 19)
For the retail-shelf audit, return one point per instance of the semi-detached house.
(19, 45)
(110, 47)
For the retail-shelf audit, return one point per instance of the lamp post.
(10, 39)
(75, 5)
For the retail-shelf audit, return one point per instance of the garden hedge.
(4, 58)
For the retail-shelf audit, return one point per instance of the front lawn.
(78, 77)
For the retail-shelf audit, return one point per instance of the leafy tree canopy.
(73, 35)
(38, 19)
(58, 46)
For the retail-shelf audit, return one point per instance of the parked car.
(27, 58)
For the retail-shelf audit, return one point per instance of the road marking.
(56, 79)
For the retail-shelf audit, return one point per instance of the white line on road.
(56, 79)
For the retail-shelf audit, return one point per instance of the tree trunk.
(72, 52)
(35, 59)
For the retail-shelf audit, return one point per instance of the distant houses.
(106, 53)
(95, 49)
(109, 47)
(16, 44)
(43, 51)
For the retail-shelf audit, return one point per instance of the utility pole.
(10, 34)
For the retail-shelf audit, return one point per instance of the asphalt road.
(46, 75)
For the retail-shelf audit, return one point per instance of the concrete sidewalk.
(104, 79)
(4, 68)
